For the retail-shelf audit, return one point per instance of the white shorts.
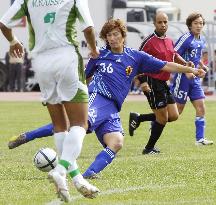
(56, 71)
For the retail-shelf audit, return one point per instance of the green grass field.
(181, 174)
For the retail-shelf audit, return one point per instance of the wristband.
(14, 41)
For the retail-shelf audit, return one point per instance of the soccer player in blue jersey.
(190, 46)
(110, 78)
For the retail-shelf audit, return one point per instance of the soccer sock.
(104, 158)
(62, 167)
(74, 172)
(156, 131)
(146, 117)
(200, 127)
(59, 139)
(44, 131)
(72, 144)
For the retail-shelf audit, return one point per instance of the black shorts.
(160, 95)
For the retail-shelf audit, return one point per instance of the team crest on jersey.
(128, 70)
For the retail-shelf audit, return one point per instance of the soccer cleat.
(86, 189)
(151, 151)
(16, 141)
(90, 175)
(61, 185)
(133, 122)
(203, 141)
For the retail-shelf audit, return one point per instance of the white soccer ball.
(45, 159)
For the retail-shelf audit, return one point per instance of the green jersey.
(51, 22)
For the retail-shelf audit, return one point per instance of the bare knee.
(114, 141)
(162, 120)
(117, 146)
(173, 118)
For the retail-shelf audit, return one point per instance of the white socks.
(59, 139)
(72, 144)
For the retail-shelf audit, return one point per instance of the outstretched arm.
(16, 48)
(177, 68)
(203, 66)
(180, 60)
(90, 38)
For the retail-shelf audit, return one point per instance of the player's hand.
(190, 76)
(200, 73)
(145, 87)
(190, 64)
(94, 53)
(16, 50)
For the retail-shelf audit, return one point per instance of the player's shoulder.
(186, 36)
(104, 51)
(130, 51)
(184, 40)
(202, 37)
(148, 39)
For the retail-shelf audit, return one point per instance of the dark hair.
(112, 24)
(192, 17)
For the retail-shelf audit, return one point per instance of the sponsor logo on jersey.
(128, 70)
(118, 60)
(38, 3)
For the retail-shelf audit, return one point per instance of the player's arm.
(146, 47)
(90, 38)
(90, 69)
(16, 48)
(177, 68)
(87, 26)
(203, 66)
(6, 32)
(9, 19)
(178, 59)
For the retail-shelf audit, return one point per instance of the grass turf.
(181, 174)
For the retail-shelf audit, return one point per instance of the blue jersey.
(113, 73)
(190, 48)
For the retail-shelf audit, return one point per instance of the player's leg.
(50, 78)
(160, 100)
(77, 112)
(73, 144)
(135, 119)
(200, 123)
(158, 125)
(114, 142)
(197, 97)
(156, 130)
(58, 175)
(44, 131)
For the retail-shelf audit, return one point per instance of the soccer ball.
(45, 159)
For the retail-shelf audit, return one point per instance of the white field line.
(119, 191)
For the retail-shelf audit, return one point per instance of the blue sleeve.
(90, 68)
(182, 45)
(149, 64)
(204, 44)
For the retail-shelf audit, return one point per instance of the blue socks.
(44, 131)
(200, 127)
(104, 158)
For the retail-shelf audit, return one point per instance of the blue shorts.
(103, 116)
(183, 87)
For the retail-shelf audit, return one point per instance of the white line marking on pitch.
(116, 191)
